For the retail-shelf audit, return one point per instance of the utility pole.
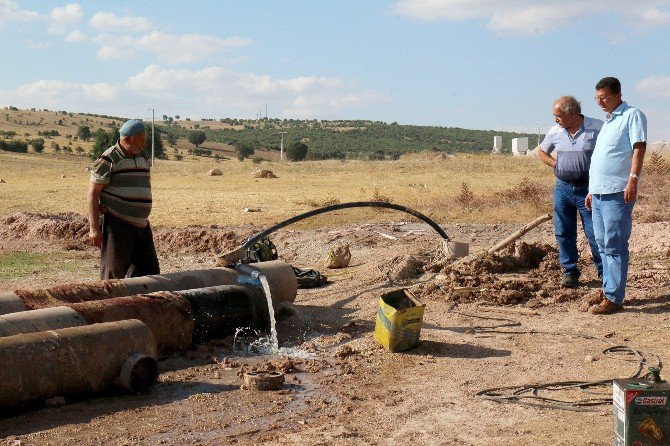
(281, 146)
(538, 134)
(153, 144)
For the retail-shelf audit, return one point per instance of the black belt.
(578, 182)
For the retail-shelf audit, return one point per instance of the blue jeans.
(612, 224)
(568, 201)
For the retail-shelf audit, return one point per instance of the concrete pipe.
(75, 362)
(39, 320)
(22, 300)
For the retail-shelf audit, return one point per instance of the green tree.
(102, 141)
(37, 144)
(159, 151)
(245, 149)
(84, 132)
(197, 138)
(296, 151)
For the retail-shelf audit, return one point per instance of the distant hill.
(339, 139)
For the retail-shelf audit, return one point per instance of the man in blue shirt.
(571, 142)
(616, 166)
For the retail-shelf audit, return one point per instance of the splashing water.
(273, 323)
(250, 342)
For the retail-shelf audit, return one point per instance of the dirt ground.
(342, 387)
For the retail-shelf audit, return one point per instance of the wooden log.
(518, 234)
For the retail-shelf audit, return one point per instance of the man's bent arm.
(545, 157)
(95, 233)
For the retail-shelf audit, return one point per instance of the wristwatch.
(634, 176)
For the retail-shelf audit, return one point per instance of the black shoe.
(570, 281)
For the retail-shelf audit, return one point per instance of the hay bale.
(214, 173)
(263, 173)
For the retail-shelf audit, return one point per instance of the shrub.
(37, 145)
(14, 145)
(296, 151)
(244, 149)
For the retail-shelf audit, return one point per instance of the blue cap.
(132, 127)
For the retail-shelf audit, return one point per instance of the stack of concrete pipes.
(76, 340)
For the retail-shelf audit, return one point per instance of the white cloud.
(207, 92)
(654, 86)
(10, 12)
(62, 19)
(217, 91)
(61, 95)
(186, 48)
(169, 48)
(76, 36)
(119, 48)
(109, 22)
(534, 17)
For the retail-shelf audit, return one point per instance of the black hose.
(355, 204)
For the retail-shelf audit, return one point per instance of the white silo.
(519, 146)
(497, 144)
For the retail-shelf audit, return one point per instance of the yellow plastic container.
(399, 319)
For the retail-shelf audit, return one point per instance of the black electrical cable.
(529, 394)
(354, 204)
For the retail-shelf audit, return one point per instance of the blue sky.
(458, 63)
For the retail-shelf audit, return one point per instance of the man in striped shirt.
(120, 190)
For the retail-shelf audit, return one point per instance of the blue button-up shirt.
(613, 154)
(573, 153)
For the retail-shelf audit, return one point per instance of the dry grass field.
(464, 188)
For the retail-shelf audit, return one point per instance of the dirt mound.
(527, 274)
(196, 239)
(71, 230)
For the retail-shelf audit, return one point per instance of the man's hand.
(587, 201)
(95, 237)
(630, 192)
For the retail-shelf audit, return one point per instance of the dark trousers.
(127, 251)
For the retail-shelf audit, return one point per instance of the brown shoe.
(596, 299)
(606, 307)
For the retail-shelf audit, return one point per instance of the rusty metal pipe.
(76, 362)
(280, 275)
(23, 300)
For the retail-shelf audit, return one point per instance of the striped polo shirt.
(127, 180)
(573, 153)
